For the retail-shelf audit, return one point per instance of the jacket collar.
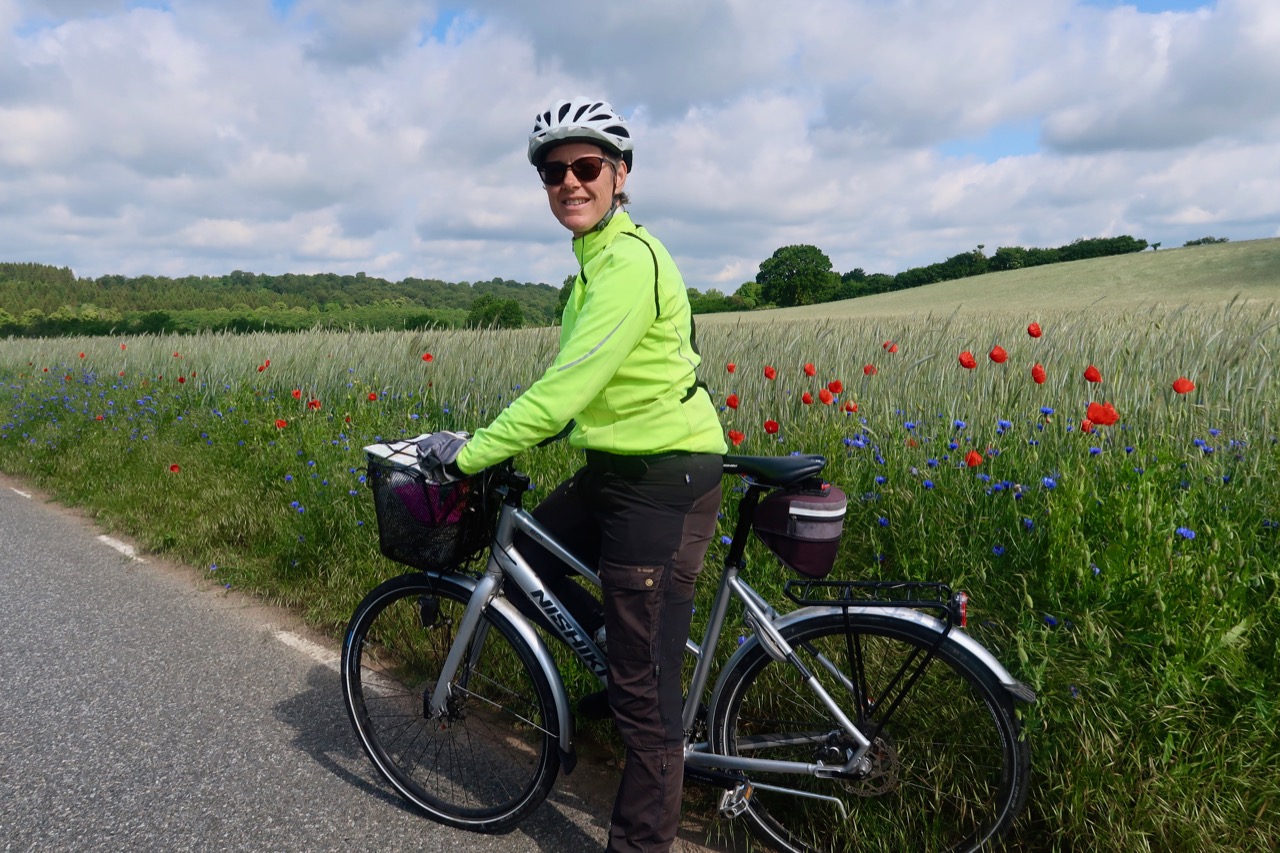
(585, 248)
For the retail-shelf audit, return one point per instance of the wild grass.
(1129, 573)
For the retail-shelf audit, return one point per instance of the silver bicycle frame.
(766, 627)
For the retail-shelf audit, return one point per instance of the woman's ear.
(619, 177)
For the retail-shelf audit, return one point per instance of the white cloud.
(388, 136)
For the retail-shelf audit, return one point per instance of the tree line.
(39, 300)
(803, 274)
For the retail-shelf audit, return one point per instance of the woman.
(643, 508)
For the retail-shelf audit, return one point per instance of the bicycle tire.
(951, 768)
(492, 757)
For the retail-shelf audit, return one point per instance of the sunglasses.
(585, 169)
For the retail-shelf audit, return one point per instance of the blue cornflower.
(1050, 621)
(288, 478)
(882, 521)
(932, 463)
(1094, 451)
(1049, 483)
(928, 484)
(881, 480)
(1046, 410)
(998, 550)
(910, 425)
(1028, 524)
(1186, 532)
(725, 540)
(1003, 424)
(959, 424)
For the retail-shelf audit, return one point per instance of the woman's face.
(580, 205)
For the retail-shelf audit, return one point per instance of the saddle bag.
(802, 526)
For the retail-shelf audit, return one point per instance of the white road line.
(312, 650)
(122, 547)
(26, 495)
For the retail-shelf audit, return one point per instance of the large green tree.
(795, 275)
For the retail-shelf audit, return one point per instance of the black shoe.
(595, 706)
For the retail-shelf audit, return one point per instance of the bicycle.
(856, 721)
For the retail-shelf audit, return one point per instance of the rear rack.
(918, 595)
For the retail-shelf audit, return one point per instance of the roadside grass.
(1128, 573)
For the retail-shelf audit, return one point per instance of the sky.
(389, 136)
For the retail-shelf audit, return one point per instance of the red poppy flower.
(973, 459)
(347, 419)
(1092, 374)
(806, 398)
(281, 423)
(967, 361)
(46, 370)
(122, 373)
(869, 370)
(82, 355)
(826, 397)
(1086, 425)
(735, 437)
(174, 468)
(313, 404)
(850, 406)
(731, 401)
(182, 380)
(731, 367)
(771, 427)
(769, 372)
(98, 418)
(998, 355)
(910, 442)
(122, 346)
(297, 394)
(1037, 373)
(889, 346)
(835, 386)
(266, 362)
(175, 355)
(810, 370)
(373, 397)
(1183, 385)
(426, 356)
(1034, 330)
(1103, 414)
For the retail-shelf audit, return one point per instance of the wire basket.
(430, 526)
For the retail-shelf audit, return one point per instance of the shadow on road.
(322, 731)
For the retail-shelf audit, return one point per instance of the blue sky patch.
(1004, 140)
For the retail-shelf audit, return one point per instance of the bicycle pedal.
(735, 801)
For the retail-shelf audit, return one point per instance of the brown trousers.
(645, 522)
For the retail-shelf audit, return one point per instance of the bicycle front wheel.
(491, 757)
(948, 767)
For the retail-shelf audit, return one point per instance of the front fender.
(465, 585)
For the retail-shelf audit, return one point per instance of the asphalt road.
(144, 708)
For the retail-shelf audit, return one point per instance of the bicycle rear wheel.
(491, 758)
(949, 768)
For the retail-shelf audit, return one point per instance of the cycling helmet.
(580, 120)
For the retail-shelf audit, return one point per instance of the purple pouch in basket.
(431, 504)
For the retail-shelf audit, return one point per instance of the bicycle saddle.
(775, 470)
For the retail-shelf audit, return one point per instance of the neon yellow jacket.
(625, 370)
